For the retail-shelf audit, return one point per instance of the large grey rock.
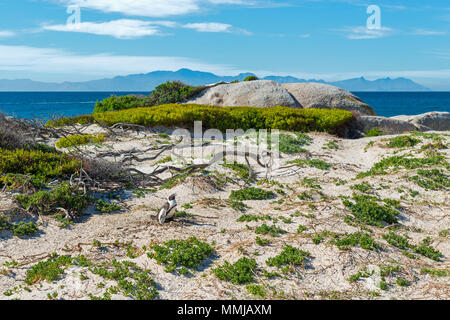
(259, 93)
(438, 121)
(387, 125)
(318, 95)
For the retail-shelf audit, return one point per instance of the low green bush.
(291, 145)
(256, 290)
(251, 194)
(273, 230)
(431, 179)
(435, 272)
(251, 78)
(240, 272)
(403, 142)
(41, 165)
(346, 241)
(368, 210)
(23, 229)
(188, 253)
(46, 202)
(374, 132)
(222, 118)
(114, 103)
(315, 163)
(427, 251)
(79, 140)
(169, 92)
(397, 162)
(397, 240)
(290, 256)
(49, 270)
(132, 281)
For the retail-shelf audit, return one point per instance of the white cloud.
(215, 27)
(357, 33)
(153, 8)
(7, 34)
(45, 61)
(423, 32)
(131, 29)
(209, 27)
(121, 29)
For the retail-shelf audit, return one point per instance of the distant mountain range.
(148, 81)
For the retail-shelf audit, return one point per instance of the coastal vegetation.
(222, 118)
(168, 92)
(79, 140)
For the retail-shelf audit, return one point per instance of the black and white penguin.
(168, 209)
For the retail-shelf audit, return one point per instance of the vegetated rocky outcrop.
(263, 93)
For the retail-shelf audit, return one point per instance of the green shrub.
(23, 229)
(188, 253)
(240, 169)
(397, 240)
(79, 139)
(14, 181)
(291, 145)
(427, 251)
(398, 162)
(344, 242)
(402, 282)
(105, 207)
(173, 92)
(49, 270)
(256, 290)
(169, 92)
(387, 270)
(251, 78)
(273, 230)
(66, 121)
(423, 249)
(374, 132)
(316, 163)
(403, 142)
(363, 187)
(262, 242)
(132, 281)
(46, 202)
(240, 272)
(290, 256)
(360, 274)
(238, 206)
(115, 103)
(251, 193)
(252, 217)
(222, 118)
(435, 272)
(431, 179)
(366, 209)
(20, 229)
(41, 165)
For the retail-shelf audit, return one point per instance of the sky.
(78, 40)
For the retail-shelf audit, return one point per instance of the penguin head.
(171, 197)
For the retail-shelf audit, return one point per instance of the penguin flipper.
(162, 216)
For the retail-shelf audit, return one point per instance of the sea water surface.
(45, 105)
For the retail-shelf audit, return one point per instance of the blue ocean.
(44, 105)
